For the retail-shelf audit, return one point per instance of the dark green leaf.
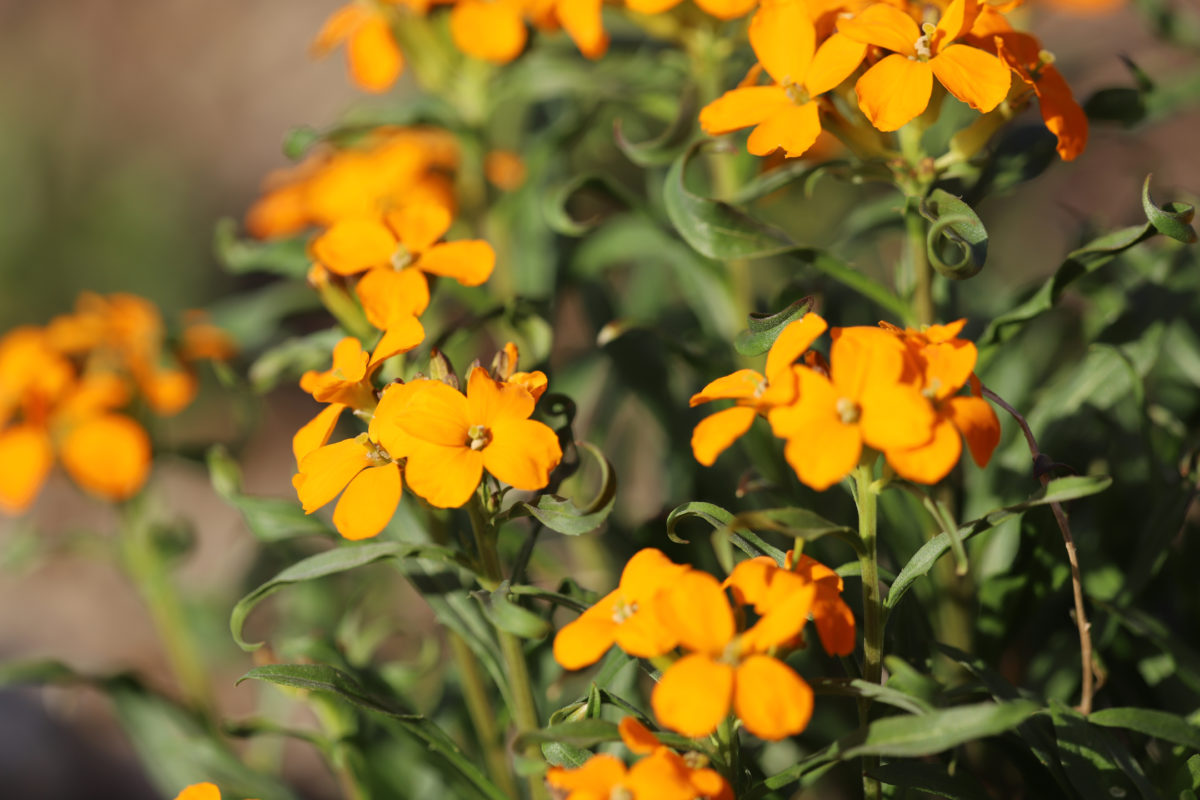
(560, 219)
(288, 257)
(795, 523)
(664, 148)
(714, 515)
(911, 736)
(1159, 724)
(562, 515)
(1173, 220)
(764, 329)
(1122, 104)
(322, 678)
(331, 562)
(957, 223)
(508, 616)
(580, 733)
(930, 779)
(1095, 762)
(855, 687)
(1057, 491)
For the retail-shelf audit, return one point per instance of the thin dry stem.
(1085, 632)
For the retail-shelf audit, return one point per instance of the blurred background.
(128, 128)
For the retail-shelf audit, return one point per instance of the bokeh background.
(128, 128)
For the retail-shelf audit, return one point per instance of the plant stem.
(866, 497)
(1087, 689)
(144, 563)
(524, 710)
(918, 259)
(479, 706)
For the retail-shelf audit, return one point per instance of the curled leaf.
(763, 329)
(956, 223)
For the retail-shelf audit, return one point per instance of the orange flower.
(834, 619)
(200, 791)
(504, 169)
(491, 30)
(374, 57)
(1061, 113)
(943, 364)
(724, 669)
(785, 113)
(663, 775)
(863, 401)
(455, 438)
(898, 88)
(625, 616)
(365, 470)
(753, 393)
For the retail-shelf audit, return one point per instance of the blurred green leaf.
(291, 358)
(1120, 104)
(270, 519)
(322, 678)
(856, 687)
(580, 733)
(764, 329)
(287, 257)
(1173, 220)
(1057, 491)
(331, 562)
(558, 201)
(1159, 724)
(930, 779)
(508, 616)
(955, 222)
(665, 147)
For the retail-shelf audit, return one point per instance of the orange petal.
(200, 791)
(468, 261)
(445, 476)
(325, 472)
(822, 455)
(930, 462)
(793, 340)
(663, 775)
(637, 737)
(435, 413)
(338, 27)
(349, 359)
(643, 635)
(785, 618)
(715, 433)
(354, 245)
(696, 609)
(771, 699)
(651, 6)
(404, 332)
(368, 503)
(896, 416)
(489, 400)
(584, 24)
(26, 456)
(419, 225)
(793, 128)
(948, 366)
(726, 9)
(957, 19)
(884, 26)
(742, 108)
(745, 383)
(492, 31)
(385, 293)
(599, 775)
(862, 357)
(522, 453)
(582, 642)
(784, 40)
(316, 431)
(815, 406)
(168, 391)
(375, 59)
(646, 573)
(894, 91)
(384, 427)
(693, 695)
(977, 78)
(108, 455)
(533, 382)
(835, 624)
(1062, 114)
(976, 420)
(835, 60)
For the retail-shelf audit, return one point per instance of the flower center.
(922, 45)
(479, 436)
(402, 257)
(930, 392)
(848, 411)
(620, 793)
(623, 611)
(796, 93)
(375, 452)
(695, 760)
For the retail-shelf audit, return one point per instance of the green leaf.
(519, 621)
(665, 147)
(1159, 724)
(856, 687)
(1173, 220)
(912, 736)
(1057, 491)
(714, 515)
(764, 329)
(322, 678)
(957, 223)
(562, 515)
(930, 779)
(291, 358)
(558, 754)
(1120, 104)
(47, 671)
(580, 733)
(1096, 764)
(331, 562)
(562, 221)
(270, 519)
(288, 257)
(775, 179)
(795, 523)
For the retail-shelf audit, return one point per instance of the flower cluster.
(660, 607)
(63, 386)
(895, 390)
(662, 775)
(808, 49)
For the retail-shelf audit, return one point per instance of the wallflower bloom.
(1060, 111)
(662, 775)
(374, 58)
(626, 616)
(943, 364)
(834, 619)
(455, 437)
(200, 791)
(898, 88)
(785, 113)
(863, 401)
(726, 669)
(753, 393)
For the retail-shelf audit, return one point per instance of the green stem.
(346, 310)
(918, 260)
(479, 706)
(144, 563)
(524, 707)
(866, 496)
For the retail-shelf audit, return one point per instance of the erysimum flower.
(898, 88)
(455, 437)
(1060, 111)
(943, 364)
(662, 775)
(784, 114)
(626, 616)
(834, 619)
(374, 58)
(865, 400)
(724, 669)
(494, 30)
(200, 791)
(753, 393)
